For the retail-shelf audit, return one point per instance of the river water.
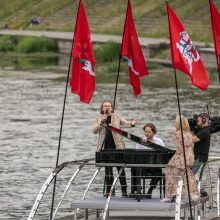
(30, 116)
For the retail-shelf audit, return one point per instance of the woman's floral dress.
(178, 166)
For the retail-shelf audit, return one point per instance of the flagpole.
(119, 62)
(217, 60)
(184, 153)
(62, 118)
(181, 127)
(116, 84)
(218, 68)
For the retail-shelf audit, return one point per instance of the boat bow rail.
(85, 187)
(50, 178)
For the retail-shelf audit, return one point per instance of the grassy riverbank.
(30, 53)
(27, 44)
(107, 16)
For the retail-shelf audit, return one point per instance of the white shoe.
(166, 199)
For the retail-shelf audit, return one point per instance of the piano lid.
(136, 139)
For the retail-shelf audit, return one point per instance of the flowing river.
(30, 117)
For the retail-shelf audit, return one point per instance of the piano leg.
(133, 180)
(138, 177)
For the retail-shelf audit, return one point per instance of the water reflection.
(32, 62)
(31, 106)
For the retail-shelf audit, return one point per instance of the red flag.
(215, 19)
(183, 53)
(83, 62)
(132, 50)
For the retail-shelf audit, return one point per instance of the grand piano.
(158, 155)
(133, 156)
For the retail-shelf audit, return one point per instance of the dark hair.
(152, 126)
(101, 111)
(204, 116)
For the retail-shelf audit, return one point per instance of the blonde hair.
(185, 124)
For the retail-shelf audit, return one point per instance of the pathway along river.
(31, 106)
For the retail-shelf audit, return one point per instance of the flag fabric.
(83, 59)
(132, 50)
(184, 55)
(215, 20)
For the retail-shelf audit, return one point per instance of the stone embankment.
(150, 46)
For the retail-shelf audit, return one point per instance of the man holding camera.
(201, 141)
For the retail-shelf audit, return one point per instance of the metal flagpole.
(116, 84)
(62, 118)
(217, 60)
(218, 69)
(181, 128)
(119, 64)
(184, 153)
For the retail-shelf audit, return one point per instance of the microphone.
(105, 116)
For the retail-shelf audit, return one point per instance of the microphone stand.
(106, 130)
(102, 147)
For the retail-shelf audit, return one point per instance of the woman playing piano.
(111, 140)
(177, 163)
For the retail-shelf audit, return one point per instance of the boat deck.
(119, 203)
(129, 208)
(89, 202)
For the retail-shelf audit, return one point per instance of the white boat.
(86, 194)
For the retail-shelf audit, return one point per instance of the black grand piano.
(133, 156)
(158, 155)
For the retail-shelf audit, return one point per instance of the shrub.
(34, 44)
(108, 52)
(113, 67)
(7, 43)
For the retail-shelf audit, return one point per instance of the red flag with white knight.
(215, 20)
(184, 55)
(83, 59)
(132, 50)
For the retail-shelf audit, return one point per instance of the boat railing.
(50, 178)
(218, 193)
(205, 179)
(93, 182)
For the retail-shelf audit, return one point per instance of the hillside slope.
(107, 16)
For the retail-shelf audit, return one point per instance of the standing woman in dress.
(177, 165)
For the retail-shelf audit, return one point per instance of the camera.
(214, 124)
(193, 123)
